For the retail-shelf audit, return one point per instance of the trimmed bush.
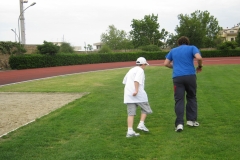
(40, 60)
(220, 53)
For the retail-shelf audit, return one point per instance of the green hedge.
(27, 61)
(220, 53)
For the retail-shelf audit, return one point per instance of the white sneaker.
(132, 134)
(142, 127)
(179, 128)
(193, 123)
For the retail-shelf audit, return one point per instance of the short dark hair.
(183, 40)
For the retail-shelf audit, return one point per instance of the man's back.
(183, 60)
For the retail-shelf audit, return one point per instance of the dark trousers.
(188, 85)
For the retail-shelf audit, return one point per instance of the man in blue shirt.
(181, 60)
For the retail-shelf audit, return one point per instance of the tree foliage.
(238, 38)
(227, 45)
(11, 48)
(48, 48)
(200, 27)
(105, 49)
(146, 31)
(171, 40)
(150, 48)
(66, 48)
(90, 47)
(116, 39)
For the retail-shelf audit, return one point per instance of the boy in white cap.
(135, 95)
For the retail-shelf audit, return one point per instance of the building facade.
(229, 34)
(98, 45)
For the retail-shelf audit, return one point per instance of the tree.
(114, 38)
(48, 48)
(146, 31)
(90, 47)
(227, 45)
(171, 40)
(200, 27)
(105, 49)
(238, 38)
(127, 43)
(66, 48)
(150, 48)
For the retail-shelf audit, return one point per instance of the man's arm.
(167, 63)
(199, 61)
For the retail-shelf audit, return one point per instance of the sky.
(81, 22)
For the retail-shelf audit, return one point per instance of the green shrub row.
(221, 53)
(27, 61)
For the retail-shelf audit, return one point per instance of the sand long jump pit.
(20, 108)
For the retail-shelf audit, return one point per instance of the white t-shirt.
(134, 74)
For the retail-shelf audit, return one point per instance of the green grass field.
(94, 126)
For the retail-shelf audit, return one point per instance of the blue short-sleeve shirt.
(183, 60)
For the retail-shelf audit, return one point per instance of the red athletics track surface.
(15, 76)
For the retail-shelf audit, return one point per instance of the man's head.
(183, 40)
(141, 61)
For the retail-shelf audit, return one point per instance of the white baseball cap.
(141, 60)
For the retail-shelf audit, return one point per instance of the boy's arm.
(136, 84)
(124, 79)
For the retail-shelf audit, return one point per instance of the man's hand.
(199, 69)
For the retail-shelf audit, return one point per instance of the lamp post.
(21, 17)
(15, 34)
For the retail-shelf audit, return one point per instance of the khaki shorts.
(132, 108)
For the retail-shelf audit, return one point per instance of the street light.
(22, 35)
(15, 34)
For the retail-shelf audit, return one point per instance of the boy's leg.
(143, 117)
(146, 109)
(131, 109)
(130, 121)
(141, 125)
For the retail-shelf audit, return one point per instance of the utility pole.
(22, 24)
(21, 19)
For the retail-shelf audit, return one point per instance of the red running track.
(16, 76)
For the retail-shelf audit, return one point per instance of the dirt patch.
(18, 109)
